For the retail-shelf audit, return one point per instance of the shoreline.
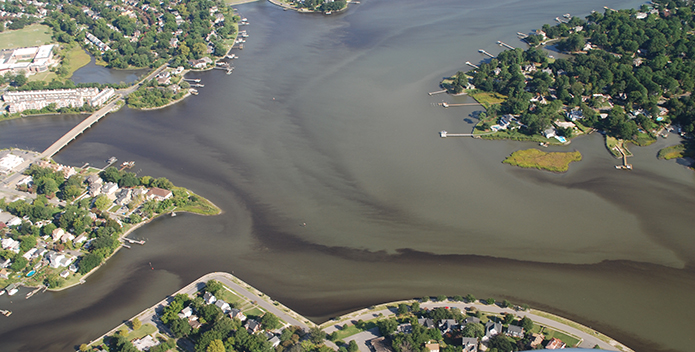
(381, 311)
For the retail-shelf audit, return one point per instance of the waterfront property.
(39, 99)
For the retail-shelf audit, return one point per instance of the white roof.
(25, 51)
(44, 51)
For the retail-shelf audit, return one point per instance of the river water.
(326, 121)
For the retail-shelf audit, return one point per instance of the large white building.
(39, 99)
(28, 60)
(9, 162)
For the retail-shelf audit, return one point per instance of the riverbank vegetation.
(631, 72)
(536, 159)
(58, 243)
(684, 150)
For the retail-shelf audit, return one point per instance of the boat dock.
(505, 45)
(129, 240)
(196, 80)
(485, 53)
(6, 313)
(471, 65)
(126, 246)
(30, 294)
(446, 105)
(437, 92)
(522, 35)
(445, 134)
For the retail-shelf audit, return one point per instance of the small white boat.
(173, 214)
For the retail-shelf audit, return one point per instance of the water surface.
(326, 121)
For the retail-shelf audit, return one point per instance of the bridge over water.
(92, 119)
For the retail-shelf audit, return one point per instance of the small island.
(59, 223)
(313, 6)
(631, 85)
(537, 159)
(219, 312)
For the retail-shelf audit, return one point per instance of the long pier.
(445, 134)
(446, 105)
(471, 65)
(505, 45)
(437, 92)
(95, 117)
(485, 53)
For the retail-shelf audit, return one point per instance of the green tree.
(387, 326)
(269, 321)
(473, 330)
(352, 346)
(402, 309)
(441, 298)
(317, 335)
(470, 298)
(526, 323)
(490, 301)
(136, 323)
(199, 50)
(508, 318)
(179, 327)
(102, 202)
(216, 346)
(19, 264)
(213, 286)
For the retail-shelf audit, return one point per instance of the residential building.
(57, 260)
(9, 162)
(491, 329)
(515, 331)
(224, 306)
(470, 344)
(159, 194)
(10, 244)
(209, 298)
(555, 344)
(253, 326)
(39, 99)
(432, 347)
(236, 313)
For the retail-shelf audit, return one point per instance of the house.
(200, 63)
(426, 322)
(58, 260)
(236, 313)
(195, 324)
(555, 344)
(5, 263)
(537, 340)
(549, 132)
(29, 254)
(274, 341)
(378, 344)
(109, 188)
(253, 326)
(491, 329)
(159, 194)
(432, 347)
(470, 344)
(185, 313)
(10, 244)
(515, 331)
(447, 325)
(81, 238)
(94, 179)
(575, 115)
(145, 343)
(224, 306)
(64, 274)
(57, 234)
(471, 320)
(4, 274)
(209, 298)
(406, 328)
(564, 124)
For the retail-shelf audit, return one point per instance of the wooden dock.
(471, 65)
(485, 53)
(446, 105)
(129, 240)
(437, 92)
(505, 45)
(6, 313)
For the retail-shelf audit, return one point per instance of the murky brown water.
(326, 121)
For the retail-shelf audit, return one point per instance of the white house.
(224, 306)
(209, 298)
(10, 245)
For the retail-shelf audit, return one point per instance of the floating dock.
(505, 45)
(471, 65)
(485, 53)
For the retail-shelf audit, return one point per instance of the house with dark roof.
(253, 326)
(209, 298)
(470, 344)
(471, 320)
(515, 331)
(447, 325)
(426, 322)
(491, 329)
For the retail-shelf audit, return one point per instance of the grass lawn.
(229, 296)
(33, 35)
(200, 206)
(611, 144)
(351, 330)
(76, 57)
(534, 158)
(487, 98)
(644, 139)
(145, 329)
(255, 311)
(567, 339)
(672, 152)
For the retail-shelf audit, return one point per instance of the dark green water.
(326, 120)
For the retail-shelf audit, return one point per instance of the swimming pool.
(31, 273)
(561, 139)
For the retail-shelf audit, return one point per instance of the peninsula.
(629, 77)
(313, 6)
(59, 223)
(186, 34)
(219, 312)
